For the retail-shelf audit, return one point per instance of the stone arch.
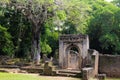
(73, 58)
(73, 45)
(69, 41)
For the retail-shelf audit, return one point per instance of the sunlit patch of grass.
(113, 79)
(5, 1)
(10, 76)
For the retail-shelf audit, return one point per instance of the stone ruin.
(73, 49)
(74, 57)
(74, 54)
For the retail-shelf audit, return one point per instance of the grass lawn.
(113, 79)
(12, 76)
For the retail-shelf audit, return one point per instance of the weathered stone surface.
(67, 72)
(101, 76)
(49, 68)
(33, 69)
(110, 65)
(87, 73)
(73, 49)
(45, 58)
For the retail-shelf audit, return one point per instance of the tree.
(75, 14)
(116, 2)
(104, 28)
(52, 38)
(37, 12)
(6, 44)
(18, 26)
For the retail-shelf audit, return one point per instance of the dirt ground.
(60, 78)
(55, 77)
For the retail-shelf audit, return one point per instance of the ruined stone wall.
(93, 60)
(85, 47)
(110, 65)
(66, 42)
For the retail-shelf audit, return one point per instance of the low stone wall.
(110, 65)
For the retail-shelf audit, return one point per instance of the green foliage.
(76, 16)
(6, 44)
(18, 26)
(46, 49)
(4, 1)
(49, 38)
(99, 19)
(61, 14)
(104, 28)
(116, 2)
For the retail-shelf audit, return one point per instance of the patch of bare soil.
(51, 77)
(59, 78)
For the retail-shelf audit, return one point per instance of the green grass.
(11, 76)
(113, 79)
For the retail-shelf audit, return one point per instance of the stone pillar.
(101, 76)
(87, 73)
(61, 52)
(49, 68)
(95, 57)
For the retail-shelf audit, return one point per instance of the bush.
(6, 44)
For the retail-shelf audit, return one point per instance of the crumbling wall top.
(72, 37)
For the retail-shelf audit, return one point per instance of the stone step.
(4, 71)
(69, 71)
(66, 74)
(8, 70)
(31, 69)
(9, 66)
(22, 71)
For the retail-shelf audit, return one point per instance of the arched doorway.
(73, 57)
(69, 44)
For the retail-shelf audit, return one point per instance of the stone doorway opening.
(73, 50)
(73, 57)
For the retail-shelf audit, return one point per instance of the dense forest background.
(34, 26)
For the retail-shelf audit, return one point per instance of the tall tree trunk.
(36, 47)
